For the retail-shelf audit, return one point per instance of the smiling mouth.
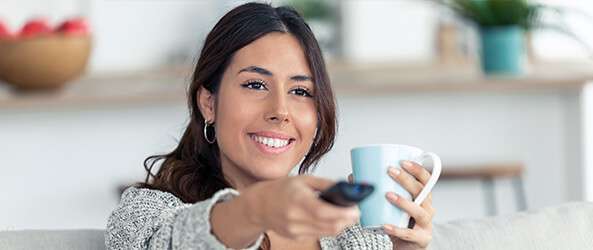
(272, 145)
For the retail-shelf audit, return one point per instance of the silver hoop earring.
(206, 132)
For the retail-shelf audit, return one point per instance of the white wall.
(146, 34)
(587, 135)
(136, 35)
(17, 12)
(128, 34)
(61, 168)
(385, 30)
(550, 44)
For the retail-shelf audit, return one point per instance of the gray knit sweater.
(152, 219)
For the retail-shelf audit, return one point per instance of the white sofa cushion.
(88, 239)
(568, 226)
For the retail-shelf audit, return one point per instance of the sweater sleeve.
(152, 219)
(355, 237)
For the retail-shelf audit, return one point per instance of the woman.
(260, 103)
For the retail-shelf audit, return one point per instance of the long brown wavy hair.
(192, 171)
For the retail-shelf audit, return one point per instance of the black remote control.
(346, 194)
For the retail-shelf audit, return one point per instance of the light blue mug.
(370, 164)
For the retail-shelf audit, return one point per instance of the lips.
(271, 142)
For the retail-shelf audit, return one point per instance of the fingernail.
(392, 196)
(406, 164)
(389, 228)
(394, 171)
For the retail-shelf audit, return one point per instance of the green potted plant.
(501, 24)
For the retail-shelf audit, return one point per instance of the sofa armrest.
(568, 226)
(89, 239)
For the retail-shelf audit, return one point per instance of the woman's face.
(264, 113)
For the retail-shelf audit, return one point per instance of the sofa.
(568, 226)
(88, 239)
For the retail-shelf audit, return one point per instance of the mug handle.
(434, 176)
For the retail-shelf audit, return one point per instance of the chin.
(266, 174)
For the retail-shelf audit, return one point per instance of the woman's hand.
(291, 208)
(413, 179)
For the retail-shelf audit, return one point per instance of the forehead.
(281, 53)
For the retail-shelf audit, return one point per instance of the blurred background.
(500, 89)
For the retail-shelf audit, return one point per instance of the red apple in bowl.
(44, 58)
(35, 27)
(74, 26)
(5, 32)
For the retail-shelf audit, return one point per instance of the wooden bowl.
(46, 62)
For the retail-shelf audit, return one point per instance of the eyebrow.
(265, 72)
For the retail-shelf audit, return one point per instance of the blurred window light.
(554, 45)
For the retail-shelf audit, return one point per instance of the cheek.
(234, 116)
(305, 119)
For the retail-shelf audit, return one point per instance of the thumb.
(317, 183)
(350, 178)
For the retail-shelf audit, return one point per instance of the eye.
(255, 84)
(301, 92)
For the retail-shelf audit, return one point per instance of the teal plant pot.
(502, 50)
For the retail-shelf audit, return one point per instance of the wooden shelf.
(389, 80)
(169, 85)
(130, 88)
(482, 171)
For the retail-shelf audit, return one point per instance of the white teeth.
(270, 142)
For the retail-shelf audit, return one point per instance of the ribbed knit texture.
(152, 219)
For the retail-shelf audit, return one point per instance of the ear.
(206, 102)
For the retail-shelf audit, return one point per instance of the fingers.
(416, 170)
(427, 205)
(302, 213)
(317, 183)
(423, 217)
(421, 238)
(350, 178)
(329, 219)
(300, 230)
(412, 179)
(321, 210)
(407, 181)
(304, 227)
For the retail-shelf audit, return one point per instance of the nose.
(278, 110)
